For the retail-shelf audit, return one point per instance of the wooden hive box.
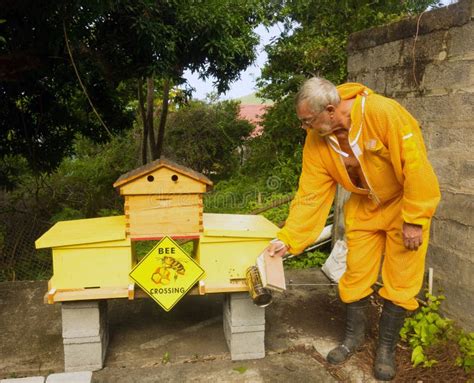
(230, 244)
(163, 198)
(89, 254)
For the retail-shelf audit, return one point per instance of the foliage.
(427, 328)
(313, 42)
(166, 358)
(315, 38)
(209, 138)
(81, 187)
(304, 261)
(240, 369)
(42, 106)
(466, 346)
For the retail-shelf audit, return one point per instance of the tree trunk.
(163, 117)
(149, 116)
(141, 108)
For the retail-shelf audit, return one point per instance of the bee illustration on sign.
(162, 274)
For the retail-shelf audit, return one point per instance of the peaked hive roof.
(154, 165)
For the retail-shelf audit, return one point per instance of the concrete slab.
(148, 344)
(33, 379)
(70, 377)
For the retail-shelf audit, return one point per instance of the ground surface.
(186, 344)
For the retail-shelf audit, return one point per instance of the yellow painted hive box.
(89, 253)
(163, 198)
(230, 244)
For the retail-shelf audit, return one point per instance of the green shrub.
(304, 261)
(427, 328)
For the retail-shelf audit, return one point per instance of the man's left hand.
(412, 236)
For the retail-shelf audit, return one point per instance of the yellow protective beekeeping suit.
(388, 144)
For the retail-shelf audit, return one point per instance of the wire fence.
(19, 259)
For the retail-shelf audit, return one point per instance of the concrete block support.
(244, 327)
(85, 335)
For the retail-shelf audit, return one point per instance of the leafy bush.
(307, 260)
(427, 328)
(208, 138)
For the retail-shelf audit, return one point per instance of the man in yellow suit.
(373, 147)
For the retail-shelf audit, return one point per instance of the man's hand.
(276, 248)
(412, 236)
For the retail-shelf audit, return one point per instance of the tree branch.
(163, 117)
(80, 80)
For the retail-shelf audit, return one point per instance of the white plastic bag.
(335, 265)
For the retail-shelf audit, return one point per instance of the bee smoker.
(261, 296)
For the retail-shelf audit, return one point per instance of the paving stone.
(33, 379)
(70, 377)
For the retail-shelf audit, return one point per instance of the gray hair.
(318, 93)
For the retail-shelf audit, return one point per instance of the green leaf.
(240, 369)
(417, 356)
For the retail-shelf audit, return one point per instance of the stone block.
(456, 107)
(445, 167)
(467, 175)
(381, 56)
(33, 379)
(448, 75)
(244, 327)
(436, 20)
(460, 41)
(427, 47)
(241, 311)
(453, 278)
(85, 335)
(457, 206)
(454, 135)
(70, 377)
(83, 319)
(86, 353)
(244, 345)
(451, 234)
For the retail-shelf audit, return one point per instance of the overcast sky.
(246, 84)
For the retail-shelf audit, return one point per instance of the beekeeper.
(374, 148)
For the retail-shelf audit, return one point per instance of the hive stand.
(85, 335)
(244, 327)
(92, 259)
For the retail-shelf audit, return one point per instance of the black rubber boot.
(391, 322)
(356, 324)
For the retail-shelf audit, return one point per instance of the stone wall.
(433, 77)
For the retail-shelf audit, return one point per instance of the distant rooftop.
(252, 99)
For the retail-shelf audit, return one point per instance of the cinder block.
(83, 319)
(241, 311)
(33, 379)
(85, 335)
(70, 377)
(86, 353)
(244, 327)
(244, 345)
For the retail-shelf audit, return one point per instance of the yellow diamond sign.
(166, 273)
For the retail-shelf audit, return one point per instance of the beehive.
(89, 254)
(163, 198)
(230, 244)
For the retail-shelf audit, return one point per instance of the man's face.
(321, 121)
